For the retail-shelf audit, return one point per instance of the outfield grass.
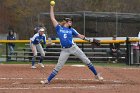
(3, 48)
(76, 62)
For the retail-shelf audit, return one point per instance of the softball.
(52, 3)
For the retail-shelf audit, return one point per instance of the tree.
(23, 14)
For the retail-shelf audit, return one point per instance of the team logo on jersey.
(65, 31)
(37, 39)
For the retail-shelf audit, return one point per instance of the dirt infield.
(71, 79)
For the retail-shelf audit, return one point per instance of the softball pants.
(65, 53)
(39, 48)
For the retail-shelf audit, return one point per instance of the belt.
(67, 46)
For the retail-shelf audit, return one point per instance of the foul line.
(77, 87)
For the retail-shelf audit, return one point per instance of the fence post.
(82, 46)
(128, 51)
(6, 52)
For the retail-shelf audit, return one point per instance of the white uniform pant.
(65, 53)
(38, 48)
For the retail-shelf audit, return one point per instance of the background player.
(11, 36)
(49, 43)
(35, 44)
(65, 33)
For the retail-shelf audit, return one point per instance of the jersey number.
(65, 35)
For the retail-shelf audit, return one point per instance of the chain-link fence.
(98, 24)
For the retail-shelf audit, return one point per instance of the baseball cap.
(67, 19)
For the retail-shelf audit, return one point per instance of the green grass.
(103, 64)
(3, 48)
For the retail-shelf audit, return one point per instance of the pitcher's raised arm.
(54, 21)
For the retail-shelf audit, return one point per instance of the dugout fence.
(128, 44)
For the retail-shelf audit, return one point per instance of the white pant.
(39, 48)
(65, 52)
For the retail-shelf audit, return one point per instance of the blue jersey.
(66, 35)
(11, 37)
(36, 39)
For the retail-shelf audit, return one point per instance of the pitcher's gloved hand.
(94, 41)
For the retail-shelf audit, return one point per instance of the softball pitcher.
(35, 44)
(65, 33)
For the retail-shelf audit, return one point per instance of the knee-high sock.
(41, 59)
(91, 67)
(33, 60)
(52, 75)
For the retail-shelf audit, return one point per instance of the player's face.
(11, 33)
(69, 23)
(41, 32)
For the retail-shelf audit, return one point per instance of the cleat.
(98, 77)
(33, 67)
(41, 65)
(44, 82)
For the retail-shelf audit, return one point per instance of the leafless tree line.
(22, 15)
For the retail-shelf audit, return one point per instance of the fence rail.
(127, 43)
(76, 41)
